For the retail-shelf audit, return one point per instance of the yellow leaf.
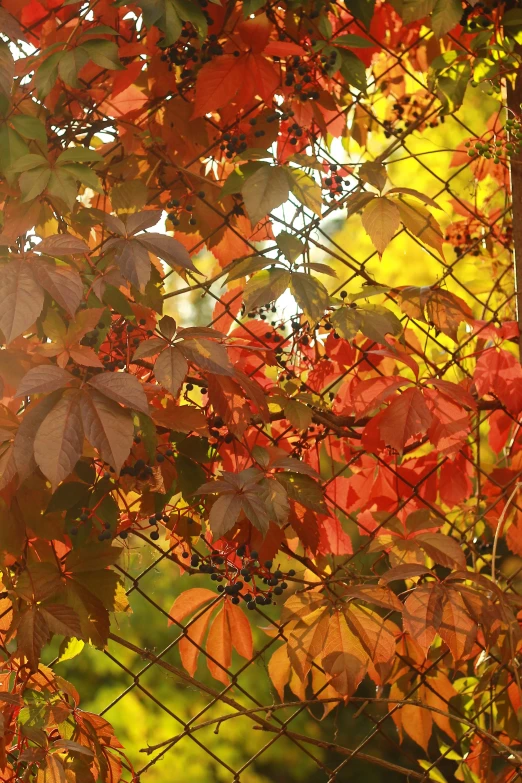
(381, 219)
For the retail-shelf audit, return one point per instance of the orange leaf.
(219, 646)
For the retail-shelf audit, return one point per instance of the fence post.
(514, 100)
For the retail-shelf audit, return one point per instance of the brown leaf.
(457, 628)
(422, 615)
(170, 369)
(108, 428)
(23, 447)
(168, 249)
(265, 190)
(418, 220)
(374, 632)
(444, 550)
(139, 221)
(374, 594)
(373, 172)
(344, 658)
(63, 245)
(62, 283)
(32, 633)
(62, 620)
(134, 262)
(59, 441)
(122, 387)
(447, 311)
(21, 299)
(207, 355)
(45, 378)
(224, 514)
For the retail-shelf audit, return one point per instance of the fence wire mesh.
(241, 731)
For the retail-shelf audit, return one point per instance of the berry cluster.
(406, 110)
(301, 76)
(224, 567)
(498, 148)
(89, 515)
(186, 208)
(473, 18)
(334, 182)
(122, 339)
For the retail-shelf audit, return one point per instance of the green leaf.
(7, 70)
(29, 162)
(350, 41)
(103, 53)
(63, 185)
(304, 490)
(191, 12)
(190, 476)
(248, 266)
(69, 649)
(34, 182)
(354, 71)
(377, 321)
(362, 10)
(412, 10)
(12, 148)
(114, 298)
(78, 155)
(85, 175)
(68, 495)
(346, 321)
(171, 24)
(290, 246)
(306, 190)
(71, 64)
(47, 74)
(265, 286)
(265, 190)
(446, 14)
(251, 6)
(30, 127)
(310, 294)
(298, 414)
(148, 434)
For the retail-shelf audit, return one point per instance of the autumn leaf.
(170, 369)
(405, 417)
(59, 441)
(21, 300)
(311, 295)
(122, 387)
(423, 615)
(108, 428)
(381, 219)
(265, 190)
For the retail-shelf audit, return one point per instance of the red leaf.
(406, 416)
(218, 83)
